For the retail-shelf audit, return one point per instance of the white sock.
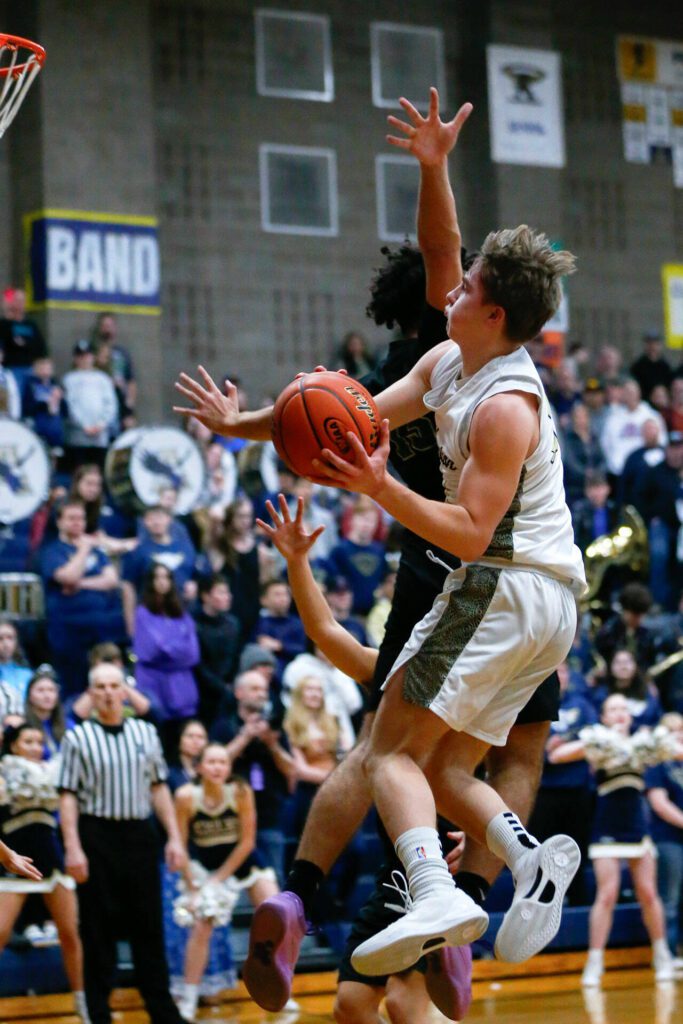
(419, 850)
(508, 839)
(81, 1006)
(661, 951)
(190, 997)
(595, 958)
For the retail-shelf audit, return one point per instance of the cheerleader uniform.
(28, 802)
(214, 834)
(620, 825)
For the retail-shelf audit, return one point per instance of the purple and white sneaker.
(448, 979)
(277, 929)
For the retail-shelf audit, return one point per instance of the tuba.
(627, 545)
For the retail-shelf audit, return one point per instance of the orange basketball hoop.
(20, 62)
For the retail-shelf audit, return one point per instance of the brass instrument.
(666, 663)
(627, 545)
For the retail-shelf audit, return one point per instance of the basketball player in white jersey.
(506, 618)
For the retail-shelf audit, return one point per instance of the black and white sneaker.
(542, 878)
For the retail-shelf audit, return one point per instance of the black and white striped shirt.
(111, 769)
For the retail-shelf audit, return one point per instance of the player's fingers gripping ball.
(317, 411)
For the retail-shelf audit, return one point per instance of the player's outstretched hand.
(289, 535)
(15, 864)
(428, 138)
(218, 411)
(365, 475)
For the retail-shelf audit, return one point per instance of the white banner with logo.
(525, 106)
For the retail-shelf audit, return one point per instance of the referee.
(112, 778)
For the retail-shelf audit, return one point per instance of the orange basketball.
(317, 411)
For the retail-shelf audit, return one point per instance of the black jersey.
(214, 832)
(414, 452)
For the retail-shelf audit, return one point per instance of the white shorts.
(489, 641)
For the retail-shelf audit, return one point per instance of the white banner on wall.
(525, 106)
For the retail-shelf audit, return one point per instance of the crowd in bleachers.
(197, 608)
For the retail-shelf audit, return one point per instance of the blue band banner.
(92, 261)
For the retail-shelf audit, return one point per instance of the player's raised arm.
(430, 140)
(220, 411)
(293, 542)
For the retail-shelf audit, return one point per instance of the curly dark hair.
(397, 292)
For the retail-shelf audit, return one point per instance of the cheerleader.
(217, 820)
(28, 801)
(620, 826)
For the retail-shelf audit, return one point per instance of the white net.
(20, 62)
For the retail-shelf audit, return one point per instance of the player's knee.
(350, 1008)
(398, 1009)
(607, 895)
(646, 894)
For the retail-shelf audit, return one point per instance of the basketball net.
(20, 62)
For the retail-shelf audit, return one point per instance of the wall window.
(294, 55)
(397, 179)
(298, 190)
(406, 61)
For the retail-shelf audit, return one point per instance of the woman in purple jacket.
(166, 647)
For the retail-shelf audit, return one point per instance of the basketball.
(318, 411)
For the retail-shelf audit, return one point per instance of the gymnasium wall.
(150, 107)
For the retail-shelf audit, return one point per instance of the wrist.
(383, 489)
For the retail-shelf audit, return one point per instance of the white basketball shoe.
(542, 877)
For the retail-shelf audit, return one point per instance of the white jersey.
(536, 531)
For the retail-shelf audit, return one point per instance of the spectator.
(566, 795)
(83, 604)
(581, 452)
(676, 407)
(596, 514)
(43, 402)
(625, 678)
(264, 662)
(29, 797)
(651, 369)
(183, 766)
(314, 516)
(665, 795)
(10, 393)
(595, 400)
(14, 669)
(608, 362)
(360, 558)
(564, 392)
(166, 647)
(44, 709)
(662, 491)
(157, 546)
(221, 479)
(343, 697)
(278, 629)
(379, 613)
(260, 756)
(234, 551)
(92, 409)
(102, 520)
(631, 487)
(626, 629)
(114, 360)
(113, 777)
(621, 432)
(316, 742)
(354, 355)
(135, 703)
(620, 832)
(20, 337)
(660, 400)
(218, 633)
(339, 597)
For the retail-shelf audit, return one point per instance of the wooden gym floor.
(546, 990)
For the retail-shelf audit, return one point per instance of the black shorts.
(370, 920)
(413, 598)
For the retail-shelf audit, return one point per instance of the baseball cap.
(676, 437)
(82, 347)
(652, 335)
(253, 655)
(593, 384)
(337, 584)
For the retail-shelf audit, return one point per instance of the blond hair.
(299, 718)
(520, 271)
